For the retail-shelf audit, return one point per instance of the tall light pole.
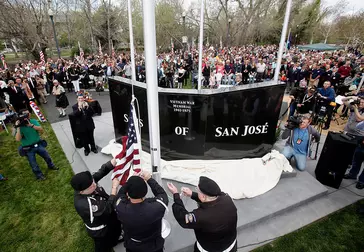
(229, 22)
(50, 13)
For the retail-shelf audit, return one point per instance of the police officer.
(96, 207)
(142, 217)
(215, 232)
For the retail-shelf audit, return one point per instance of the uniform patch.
(118, 201)
(190, 218)
(94, 208)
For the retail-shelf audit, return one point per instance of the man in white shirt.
(260, 70)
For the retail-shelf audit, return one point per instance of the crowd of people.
(313, 80)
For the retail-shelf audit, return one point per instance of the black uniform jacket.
(214, 222)
(97, 209)
(143, 222)
(84, 118)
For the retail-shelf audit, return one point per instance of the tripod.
(319, 121)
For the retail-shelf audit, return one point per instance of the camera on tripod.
(294, 122)
(23, 120)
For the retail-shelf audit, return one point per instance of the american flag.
(100, 49)
(41, 55)
(3, 61)
(129, 157)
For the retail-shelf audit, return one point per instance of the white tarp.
(240, 178)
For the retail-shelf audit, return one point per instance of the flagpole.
(283, 38)
(132, 52)
(200, 46)
(152, 84)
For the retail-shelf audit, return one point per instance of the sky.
(353, 5)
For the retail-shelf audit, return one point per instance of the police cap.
(209, 187)
(82, 181)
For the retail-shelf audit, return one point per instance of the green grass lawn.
(342, 231)
(37, 216)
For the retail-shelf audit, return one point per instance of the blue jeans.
(358, 159)
(300, 159)
(41, 151)
(292, 108)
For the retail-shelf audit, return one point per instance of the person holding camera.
(299, 133)
(306, 105)
(296, 95)
(27, 132)
(326, 96)
(85, 124)
(356, 106)
(96, 207)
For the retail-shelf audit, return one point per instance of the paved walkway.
(52, 114)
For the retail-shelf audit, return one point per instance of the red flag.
(129, 157)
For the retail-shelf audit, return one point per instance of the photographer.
(85, 124)
(308, 102)
(326, 95)
(27, 132)
(356, 106)
(296, 96)
(299, 133)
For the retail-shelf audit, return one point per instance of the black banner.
(213, 124)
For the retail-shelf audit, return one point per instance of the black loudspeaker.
(76, 136)
(335, 157)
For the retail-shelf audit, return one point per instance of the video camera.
(23, 120)
(354, 102)
(293, 122)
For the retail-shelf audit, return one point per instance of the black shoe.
(87, 152)
(53, 168)
(41, 178)
(94, 151)
(349, 176)
(60, 115)
(359, 185)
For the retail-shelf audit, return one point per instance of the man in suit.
(246, 68)
(293, 73)
(32, 83)
(85, 124)
(17, 97)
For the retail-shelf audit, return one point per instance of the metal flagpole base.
(157, 177)
(189, 138)
(166, 228)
